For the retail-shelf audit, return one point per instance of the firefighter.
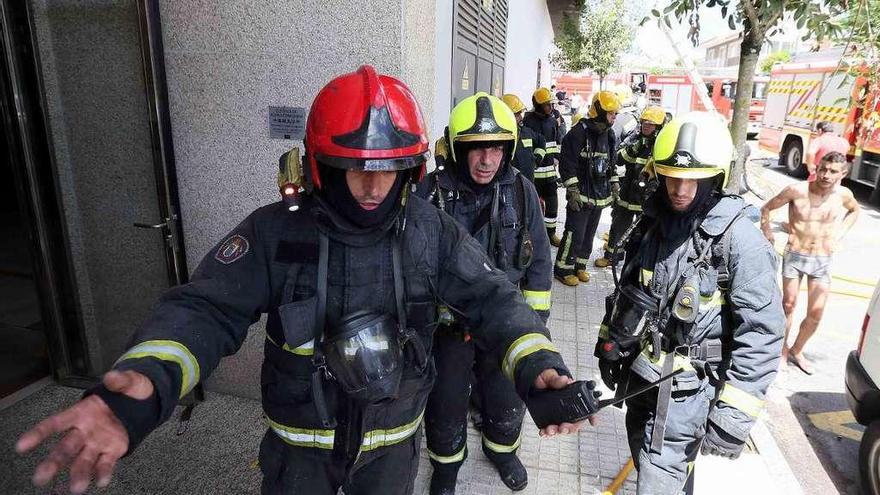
(697, 293)
(529, 151)
(350, 281)
(543, 122)
(499, 207)
(633, 155)
(628, 116)
(587, 169)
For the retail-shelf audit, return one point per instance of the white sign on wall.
(287, 123)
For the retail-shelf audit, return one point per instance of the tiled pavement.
(581, 464)
(218, 453)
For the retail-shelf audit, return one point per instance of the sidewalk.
(218, 452)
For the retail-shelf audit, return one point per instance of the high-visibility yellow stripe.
(629, 206)
(545, 175)
(597, 202)
(307, 349)
(603, 332)
(645, 277)
(540, 152)
(527, 143)
(171, 351)
(539, 300)
(624, 153)
(741, 400)
(448, 459)
(374, 439)
(566, 249)
(713, 301)
(303, 437)
(570, 181)
(529, 343)
(501, 448)
(680, 362)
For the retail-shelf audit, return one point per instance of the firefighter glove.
(573, 196)
(719, 442)
(610, 372)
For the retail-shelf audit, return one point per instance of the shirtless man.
(820, 213)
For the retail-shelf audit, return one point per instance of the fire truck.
(811, 89)
(678, 94)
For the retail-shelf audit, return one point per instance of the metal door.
(94, 146)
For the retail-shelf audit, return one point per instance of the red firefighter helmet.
(365, 121)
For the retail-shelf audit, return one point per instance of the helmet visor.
(374, 164)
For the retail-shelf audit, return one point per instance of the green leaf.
(655, 12)
(731, 23)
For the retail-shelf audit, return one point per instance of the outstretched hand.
(94, 437)
(550, 379)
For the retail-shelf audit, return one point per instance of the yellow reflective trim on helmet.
(485, 137)
(448, 459)
(303, 437)
(374, 439)
(741, 400)
(173, 352)
(686, 173)
(500, 448)
(539, 300)
(529, 343)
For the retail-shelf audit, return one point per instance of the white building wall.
(529, 38)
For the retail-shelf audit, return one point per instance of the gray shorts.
(796, 265)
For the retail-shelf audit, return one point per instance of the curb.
(776, 464)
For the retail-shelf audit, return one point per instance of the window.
(759, 91)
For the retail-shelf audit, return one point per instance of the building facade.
(157, 113)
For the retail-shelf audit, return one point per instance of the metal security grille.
(478, 47)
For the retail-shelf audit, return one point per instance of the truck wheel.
(869, 459)
(793, 155)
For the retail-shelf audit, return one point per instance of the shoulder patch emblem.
(232, 249)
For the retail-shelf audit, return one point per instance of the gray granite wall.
(227, 62)
(98, 120)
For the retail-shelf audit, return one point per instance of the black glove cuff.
(139, 417)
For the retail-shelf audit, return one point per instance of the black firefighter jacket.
(589, 156)
(268, 264)
(445, 190)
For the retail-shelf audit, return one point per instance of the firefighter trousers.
(547, 188)
(577, 240)
(446, 413)
(667, 472)
(289, 469)
(621, 219)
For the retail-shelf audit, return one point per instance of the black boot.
(443, 478)
(510, 469)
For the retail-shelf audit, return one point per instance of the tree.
(781, 56)
(595, 37)
(860, 32)
(756, 20)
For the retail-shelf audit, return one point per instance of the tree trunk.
(601, 82)
(749, 51)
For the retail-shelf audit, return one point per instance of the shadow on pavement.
(833, 438)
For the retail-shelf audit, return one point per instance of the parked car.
(863, 395)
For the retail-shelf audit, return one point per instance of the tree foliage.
(860, 33)
(595, 37)
(756, 20)
(781, 56)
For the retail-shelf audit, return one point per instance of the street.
(808, 415)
